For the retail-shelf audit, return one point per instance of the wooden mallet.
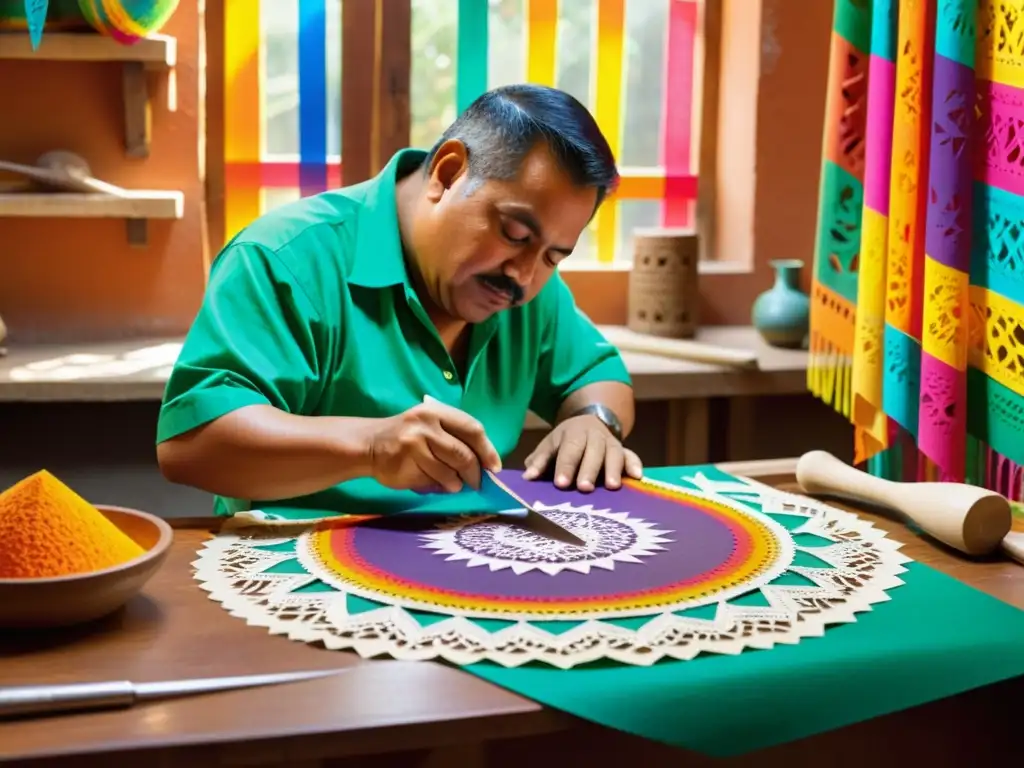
(969, 518)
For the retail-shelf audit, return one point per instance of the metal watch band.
(605, 415)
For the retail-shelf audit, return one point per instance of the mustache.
(506, 285)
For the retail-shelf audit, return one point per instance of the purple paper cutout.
(699, 543)
(948, 232)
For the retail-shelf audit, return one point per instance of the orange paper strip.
(541, 36)
(243, 121)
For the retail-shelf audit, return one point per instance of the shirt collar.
(379, 262)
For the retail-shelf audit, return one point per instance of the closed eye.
(515, 232)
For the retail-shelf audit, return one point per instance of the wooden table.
(138, 370)
(388, 713)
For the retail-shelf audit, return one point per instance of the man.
(326, 322)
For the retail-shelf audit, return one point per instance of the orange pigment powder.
(46, 529)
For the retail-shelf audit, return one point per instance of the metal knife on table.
(22, 700)
(495, 491)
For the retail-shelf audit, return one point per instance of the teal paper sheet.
(935, 638)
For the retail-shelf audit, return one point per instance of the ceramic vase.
(782, 313)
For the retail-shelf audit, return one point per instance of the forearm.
(261, 453)
(615, 395)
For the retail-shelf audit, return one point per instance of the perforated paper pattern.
(943, 197)
(840, 566)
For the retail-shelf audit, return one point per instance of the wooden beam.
(375, 94)
(393, 88)
(708, 63)
(212, 127)
(138, 115)
(358, 53)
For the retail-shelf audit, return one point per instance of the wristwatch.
(605, 415)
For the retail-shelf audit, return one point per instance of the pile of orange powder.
(46, 529)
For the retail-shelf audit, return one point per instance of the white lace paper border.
(865, 564)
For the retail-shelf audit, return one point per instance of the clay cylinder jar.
(663, 283)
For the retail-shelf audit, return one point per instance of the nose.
(523, 266)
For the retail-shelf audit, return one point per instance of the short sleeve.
(255, 341)
(572, 354)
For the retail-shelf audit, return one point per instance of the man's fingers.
(634, 467)
(439, 473)
(471, 432)
(614, 461)
(592, 461)
(456, 455)
(570, 452)
(540, 457)
(464, 427)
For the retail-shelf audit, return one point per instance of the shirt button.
(448, 375)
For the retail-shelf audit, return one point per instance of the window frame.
(376, 123)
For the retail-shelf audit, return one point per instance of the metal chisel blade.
(492, 487)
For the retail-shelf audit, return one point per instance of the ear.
(449, 164)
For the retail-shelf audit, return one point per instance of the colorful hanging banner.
(871, 425)
(312, 96)
(243, 119)
(919, 242)
(35, 18)
(606, 80)
(471, 53)
(677, 113)
(901, 387)
(946, 270)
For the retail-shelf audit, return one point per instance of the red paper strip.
(677, 210)
(274, 175)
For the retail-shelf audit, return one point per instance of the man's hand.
(431, 447)
(581, 447)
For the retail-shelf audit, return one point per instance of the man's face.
(486, 245)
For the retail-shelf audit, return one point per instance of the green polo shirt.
(310, 309)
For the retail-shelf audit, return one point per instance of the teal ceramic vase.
(782, 313)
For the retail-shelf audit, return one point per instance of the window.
(632, 62)
(591, 42)
(282, 110)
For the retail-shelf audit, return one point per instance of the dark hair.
(504, 124)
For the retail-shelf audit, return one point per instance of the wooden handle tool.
(60, 169)
(971, 519)
(679, 349)
(1013, 546)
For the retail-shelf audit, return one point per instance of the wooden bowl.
(62, 601)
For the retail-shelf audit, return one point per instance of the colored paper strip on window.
(677, 108)
(279, 175)
(243, 120)
(471, 53)
(650, 184)
(607, 80)
(541, 37)
(312, 96)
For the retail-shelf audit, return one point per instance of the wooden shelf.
(141, 204)
(138, 369)
(157, 53)
(136, 208)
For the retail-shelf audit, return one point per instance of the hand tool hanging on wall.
(63, 170)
